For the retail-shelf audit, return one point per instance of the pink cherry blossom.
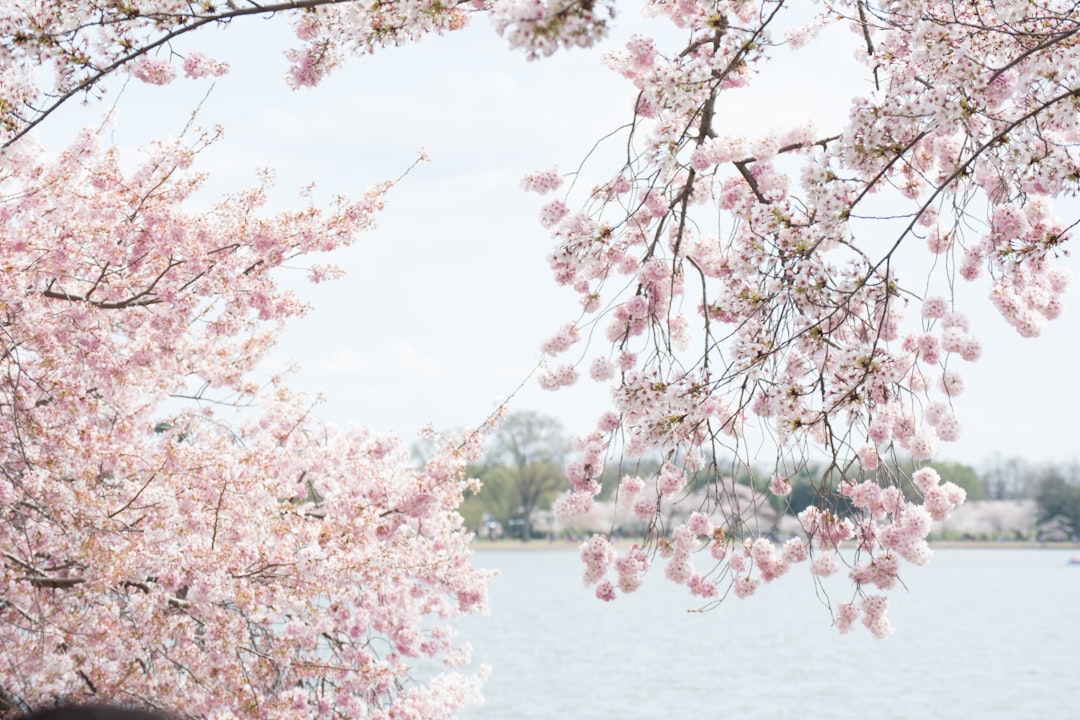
(196, 65)
(542, 182)
(644, 507)
(154, 71)
(745, 587)
(824, 565)
(780, 486)
(935, 307)
(700, 525)
(605, 591)
(847, 614)
(598, 555)
(795, 550)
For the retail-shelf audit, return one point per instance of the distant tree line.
(523, 474)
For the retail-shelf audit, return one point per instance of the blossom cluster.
(885, 530)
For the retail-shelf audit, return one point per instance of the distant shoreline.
(567, 545)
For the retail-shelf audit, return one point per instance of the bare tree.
(533, 448)
(1009, 478)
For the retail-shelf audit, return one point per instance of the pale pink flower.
(197, 65)
(929, 349)
(644, 508)
(873, 609)
(608, 422)
(953, 339)
(868, 457)
(563, 340)
(824, 565)
(671, 480)
(574, 504)
(630, 583)
(597, 555)
(780, 485)
(605, 591)
(1053, 308)
(941, 500)
(926, 478)
(762, 551)
(971, 350)
(744, 586)
(629, 487)
(971, 266)
(679, 568)
(542, 182)
(938, 242)
(154, 71)
(952, 383)
(602, 369)
(847, 614)
(590, 303)
(308, 67)
(772, 568)
(559, 377)
(701, 159)
(956, 320)
(683, 539)
(1009, 221)
(948, 428)
(739, 562)
(702, 586)
(700, 525)
(935, 307)
(553, 212)
(1059, 279)
(936, 412)
(631, 569)
(880, 430)
(795, 551)
(923, 444)
(865, 495)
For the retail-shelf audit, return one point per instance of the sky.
(445, 304)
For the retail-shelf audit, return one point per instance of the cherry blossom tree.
(159, 549)
(173, 533)
(742, 295)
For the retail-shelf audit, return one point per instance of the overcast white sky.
(445, 304)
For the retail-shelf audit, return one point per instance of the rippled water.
(986, 633)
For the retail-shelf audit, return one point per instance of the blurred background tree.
(522, 473)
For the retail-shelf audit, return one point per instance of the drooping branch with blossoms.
(159, 551)
(750, 286)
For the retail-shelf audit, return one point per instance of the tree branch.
(197, 22)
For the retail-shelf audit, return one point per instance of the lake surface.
(980, 633)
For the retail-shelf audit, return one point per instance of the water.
(986, 633)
